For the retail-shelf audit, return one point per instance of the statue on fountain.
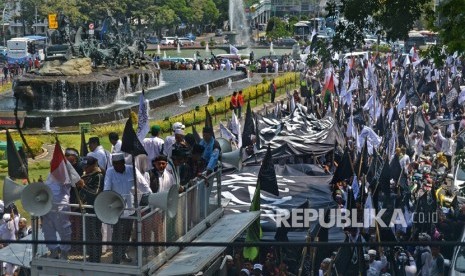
(112, 46)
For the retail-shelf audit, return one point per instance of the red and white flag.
(389, 62)
(61, 171)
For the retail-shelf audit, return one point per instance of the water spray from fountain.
(195, 56)
(208, 90)
(179, 48)
(164, 54)
(207, 49)
(47, 125)
(158, 50)
(238, 22)
(180, 100)
(229, 84)
(271, 49)
(249, 79)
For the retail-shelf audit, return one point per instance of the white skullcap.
(178, 125)
(6, 217)
(179, 131)
(229, 257)
(371, 252)
(117, 157)
(246, 271)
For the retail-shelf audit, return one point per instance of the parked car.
(184, 41)
(2, 51)
(167, 40)
(191, 36)
(152, 40)
(219, 32)
(286, 42)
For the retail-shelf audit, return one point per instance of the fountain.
(207, 49)
(180, 100)
(239, 28)
(158, 50)
(271, 49)
(47, 124)
(195, 56)
(164, 54)
(229, 84)
(88, 79)
(179, 48)
(249, 79)
(208, 90)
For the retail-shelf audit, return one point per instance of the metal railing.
(150, 225)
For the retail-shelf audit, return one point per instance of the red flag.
(352, 62)
(389, 63)
(328, 89)
(61, 171)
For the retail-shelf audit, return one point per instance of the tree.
(162, 16)
(395, 18)
(276, 28)
(448, 22)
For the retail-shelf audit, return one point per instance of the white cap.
(371, 252)
(6, 217)
(327, 261)
(258, 266)
(228, 257)
(246, 271)
(117, 157)
(179, 131)
(178, 125)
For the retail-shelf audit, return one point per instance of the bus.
(17, 48)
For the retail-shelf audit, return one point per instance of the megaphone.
(11, 191)
(35, 197)
(167, 201)
(225, 145)
(108, 207)
(233, 158)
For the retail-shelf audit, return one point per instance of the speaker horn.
(225, 145)
(11, 191)
(167, 201)
(233, 158)
(108, 207)
(37, 199)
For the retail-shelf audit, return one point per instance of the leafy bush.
(211, 100)
(134, 117)
(203, 43)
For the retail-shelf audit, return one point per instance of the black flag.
(130, 142)
(384, 179)
(257, 132)
(249, 127)
(83, 150)
(395, 168)
(16, 166)
(267, 174)
(196, 134)
(380, 125)
(208, 118)
(344, 169)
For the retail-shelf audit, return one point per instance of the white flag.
(143, 119)
(307, 50)
(351, 128)
(233, 50)
(226, 133)
(368, 212)
(355, 187)
(235, 124)
(402, 103)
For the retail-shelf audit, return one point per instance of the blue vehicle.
(191, 36)
(152, 40)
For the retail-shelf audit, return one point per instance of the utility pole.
(3, 25)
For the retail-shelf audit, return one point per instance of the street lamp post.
(3, 26)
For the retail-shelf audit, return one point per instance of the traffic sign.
(91, 26)
(52, 21)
